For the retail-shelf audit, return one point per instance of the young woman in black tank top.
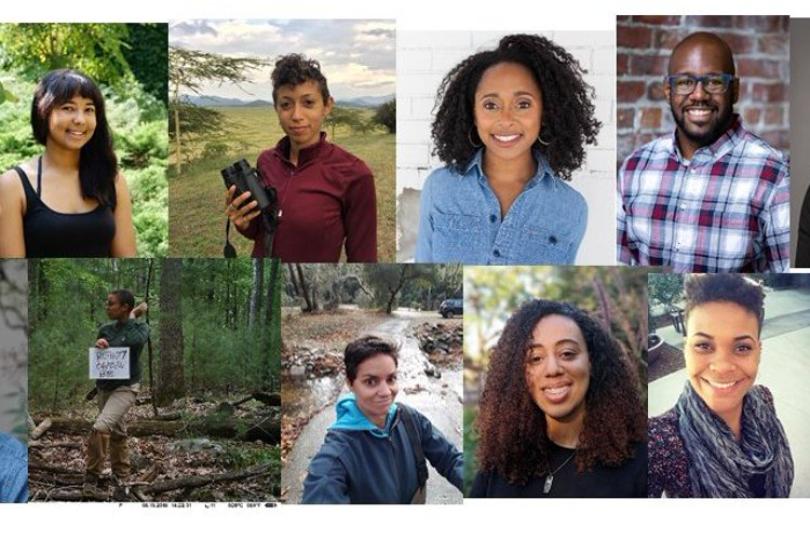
(71, 201)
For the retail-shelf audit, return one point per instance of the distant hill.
(216, 101)
(365, 102)
(368, 102)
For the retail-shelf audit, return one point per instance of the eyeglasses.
(714, 83)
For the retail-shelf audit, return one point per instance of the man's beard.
(704, 139)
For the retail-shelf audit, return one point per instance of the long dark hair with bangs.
(98, 165)
(512, 428)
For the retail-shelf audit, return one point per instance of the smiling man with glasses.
(712, 197)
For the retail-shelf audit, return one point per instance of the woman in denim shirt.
(511, 126)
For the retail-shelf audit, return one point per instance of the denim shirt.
(460, 219)
(13, 470)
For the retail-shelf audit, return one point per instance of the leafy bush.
(386, 115)
(139, 125)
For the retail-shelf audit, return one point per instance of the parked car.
(451, 306)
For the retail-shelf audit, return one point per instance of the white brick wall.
(424, 58)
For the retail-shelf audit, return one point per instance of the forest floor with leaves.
(333, 328)
(56, 459)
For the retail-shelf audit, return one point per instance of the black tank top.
(53, 234)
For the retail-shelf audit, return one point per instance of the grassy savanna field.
(197, 195)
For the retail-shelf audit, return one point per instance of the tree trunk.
(272, 323)
(265, 429)
(272, 290)
(178, 153)
(296, 288)
(42, 289)
(304, 288)
(171, 381)
(256, 292)
(313, 293)
(390, 306)
(227, 304)
(193, 357)
(149, 340)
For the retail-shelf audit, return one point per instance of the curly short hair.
(125, 297)
(745, 292)
(512, 428)
(568, 110)
(360, 350)
(295, 69)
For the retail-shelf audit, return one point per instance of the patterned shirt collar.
(724, 143)
(726, 209)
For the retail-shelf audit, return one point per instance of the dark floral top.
(668, 461)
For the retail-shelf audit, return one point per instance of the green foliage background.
(221, 353)
(615, 296)
(127, 63)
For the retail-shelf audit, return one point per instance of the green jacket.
(132, 334)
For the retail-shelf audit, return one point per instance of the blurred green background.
(613, 295)
(129, 63)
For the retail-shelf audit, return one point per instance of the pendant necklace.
(550, 477)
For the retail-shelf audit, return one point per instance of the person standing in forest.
(115, 396)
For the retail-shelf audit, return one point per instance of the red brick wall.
(761, 46)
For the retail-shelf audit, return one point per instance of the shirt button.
(552, 240)
(496, 252)
(493, 218)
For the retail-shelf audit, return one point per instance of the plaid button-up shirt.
(725, 210)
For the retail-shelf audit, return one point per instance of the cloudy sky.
(357, 56)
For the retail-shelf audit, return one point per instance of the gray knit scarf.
(719, 466)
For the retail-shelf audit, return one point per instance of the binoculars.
(246, 178)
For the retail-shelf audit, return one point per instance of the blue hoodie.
(361, 463)
(351, 418)
(13, 470)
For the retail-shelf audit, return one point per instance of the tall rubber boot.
(95, 457)
(119, 457)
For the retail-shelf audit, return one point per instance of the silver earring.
(541, 141)
(469, 138)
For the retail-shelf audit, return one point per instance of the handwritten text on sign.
(110, 363)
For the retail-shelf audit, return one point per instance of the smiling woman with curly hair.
(511, 125)
(560, 415)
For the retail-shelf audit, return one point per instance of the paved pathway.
(440, 401)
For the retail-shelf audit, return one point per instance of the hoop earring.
(469, 138)
(541, 141)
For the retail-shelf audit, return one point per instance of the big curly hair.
(512, 428)
(568, 110)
